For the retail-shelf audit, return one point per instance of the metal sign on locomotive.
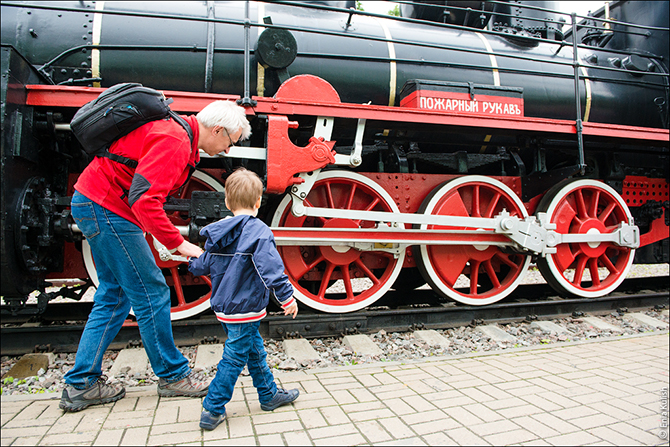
(454, 145)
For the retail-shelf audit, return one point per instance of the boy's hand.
(292, 309)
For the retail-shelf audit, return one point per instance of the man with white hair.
(113, 205)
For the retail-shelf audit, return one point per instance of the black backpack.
(118, 111)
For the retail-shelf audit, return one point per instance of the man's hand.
(292, 309)
(189, 250)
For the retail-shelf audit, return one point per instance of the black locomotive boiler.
(453, 145)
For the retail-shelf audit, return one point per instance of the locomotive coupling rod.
(392, 241)
(530, 234)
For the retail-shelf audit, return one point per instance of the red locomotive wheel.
(487, 274)
(189, 294)
(339, 278)
(586, 269)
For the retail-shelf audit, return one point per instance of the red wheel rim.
(490, 274)
(314, 269)
(589, 269)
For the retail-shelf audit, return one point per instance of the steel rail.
(33, 337)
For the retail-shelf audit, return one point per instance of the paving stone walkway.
(607, 392)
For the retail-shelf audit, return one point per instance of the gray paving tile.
(587, 394)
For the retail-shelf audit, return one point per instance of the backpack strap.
(183, 123)
(132, 164)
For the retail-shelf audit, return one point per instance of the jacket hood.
(224, 232)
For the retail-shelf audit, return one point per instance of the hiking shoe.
(100, 392)
(210, 421)
(185, 387)
(281, 398)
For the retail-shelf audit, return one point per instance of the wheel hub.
(340, 254)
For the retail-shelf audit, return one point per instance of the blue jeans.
(128, 277)
(244, 346)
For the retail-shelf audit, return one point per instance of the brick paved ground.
(600, 393)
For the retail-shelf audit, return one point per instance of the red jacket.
(165, 160)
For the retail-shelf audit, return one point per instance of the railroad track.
(537, 301)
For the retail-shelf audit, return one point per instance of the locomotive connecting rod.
(528, 235)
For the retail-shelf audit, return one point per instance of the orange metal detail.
(284, 159)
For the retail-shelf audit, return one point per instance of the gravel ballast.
(395, 346)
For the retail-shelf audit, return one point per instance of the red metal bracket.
(658, 231)
(284, 159)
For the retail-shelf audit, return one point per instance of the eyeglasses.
(232, 143)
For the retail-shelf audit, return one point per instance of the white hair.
(225, 114)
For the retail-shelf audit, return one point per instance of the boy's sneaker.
(185, 387)
(281, 398)
(100, 392)
(210, 421)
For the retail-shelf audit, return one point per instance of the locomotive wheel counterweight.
(490, 273)
(366, 275)
(189, 294)
(589, 269)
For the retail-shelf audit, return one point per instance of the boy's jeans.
(128, 277)
(244, 346)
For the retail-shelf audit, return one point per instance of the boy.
(242, 259)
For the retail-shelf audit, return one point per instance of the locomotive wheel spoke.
(492, 274)
(475, 202)
(608, 264)
(326, 279)
(311, 266)
(366, 275)
(370, 207)
(581, 207)
(346, 278)
(190, 295)
(593, 269)
(579, 270)
(594, 205)
(181, 300)
(605, 214)
(492, 205)
(504, 257)
(474, 277)
(329, 194)
(367, 272)
(350, 199)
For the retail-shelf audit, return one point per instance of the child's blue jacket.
(242, 259)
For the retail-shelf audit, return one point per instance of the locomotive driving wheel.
(590, 269)
(483, 273)
(339, 278)
(189, 295)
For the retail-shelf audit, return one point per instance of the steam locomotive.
(452, 145)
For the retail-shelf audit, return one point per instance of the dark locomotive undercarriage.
(40, 161)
